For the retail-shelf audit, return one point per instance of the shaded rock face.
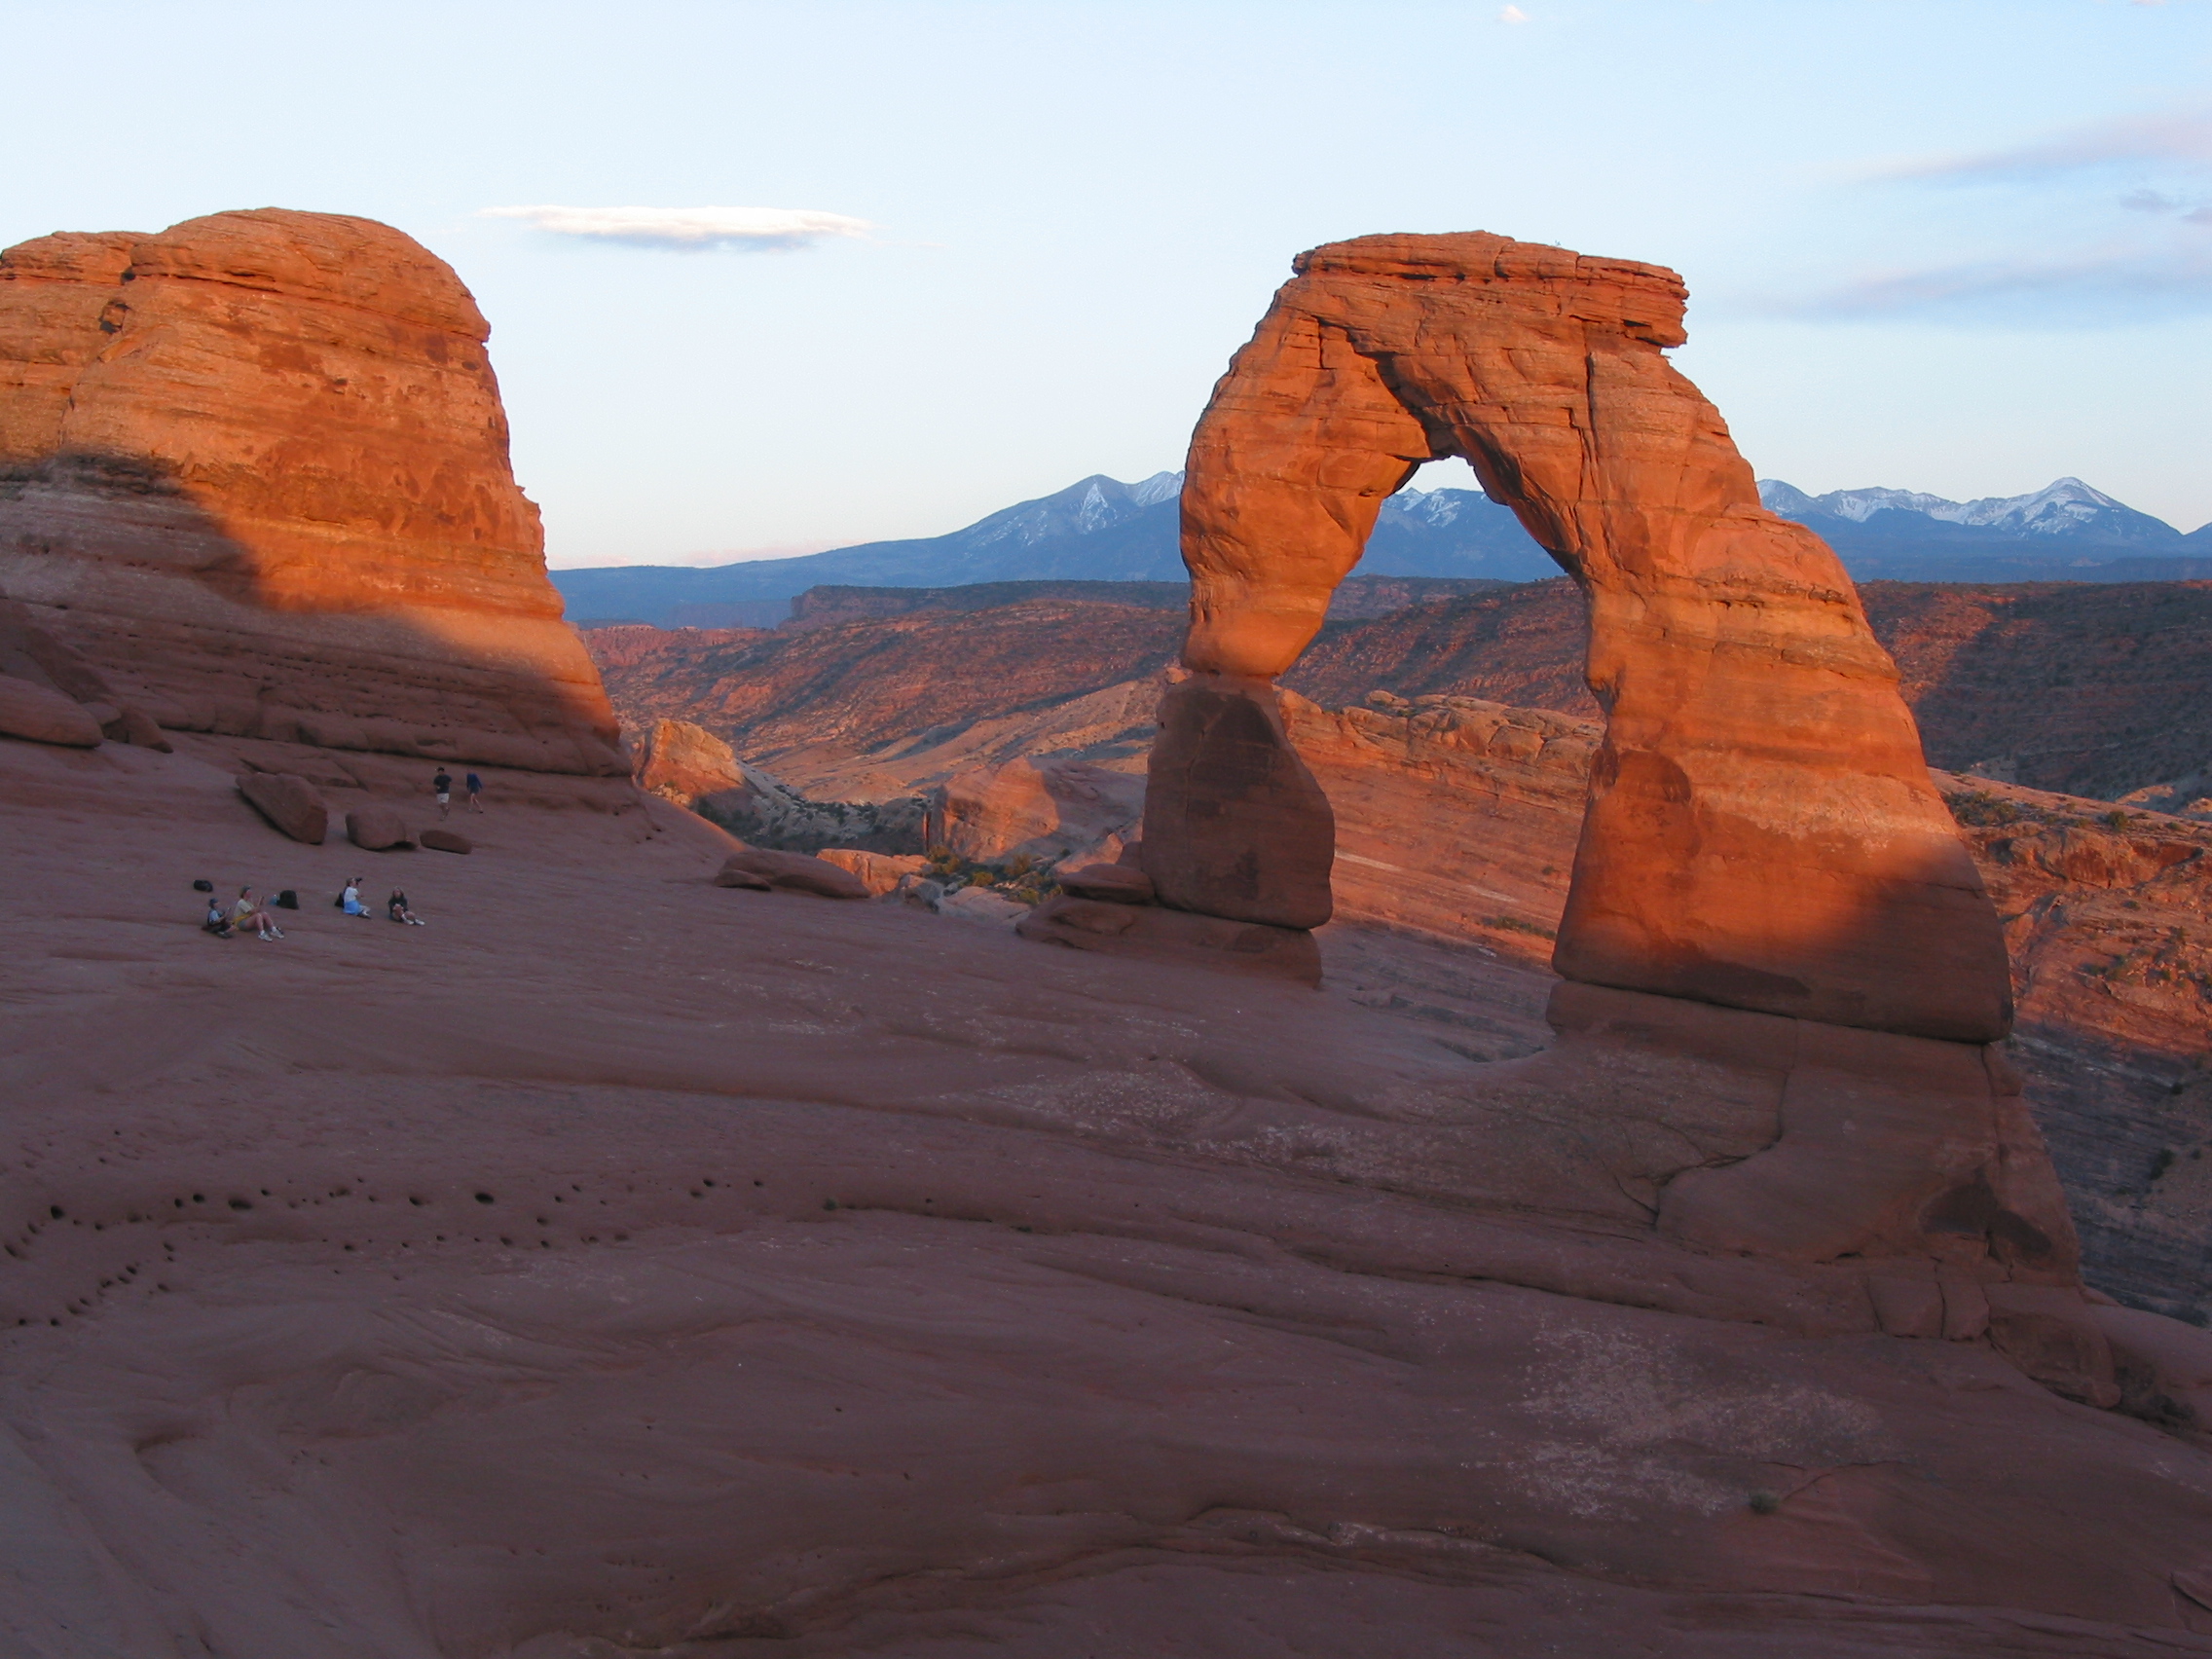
(2110, 932)
(1761, 829)
(1235, 824)
(254, 468)
(1046, 809)
(692, 766)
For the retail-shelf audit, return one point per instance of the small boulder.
(920, 891)
(289, 802)
(30, 711)
(136, 727)
(376, 828)
(446, 841)
(881, 871)
(796, 872)
(1115, 883)
(982, 904)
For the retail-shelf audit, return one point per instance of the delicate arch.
(1762, 831)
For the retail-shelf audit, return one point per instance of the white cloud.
(1513, 15)
(762, 230)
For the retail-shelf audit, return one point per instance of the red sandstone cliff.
(254, 468)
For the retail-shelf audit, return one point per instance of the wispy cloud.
(758, 230)
(2182, 136)
(2110, 228)
(1512, 14)
(2103, 286)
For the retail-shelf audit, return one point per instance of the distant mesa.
(1101, 529)
(1096, 529)
(253, 470)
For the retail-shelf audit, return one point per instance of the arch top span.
(1762, 831)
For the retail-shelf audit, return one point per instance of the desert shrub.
(1981, 809)
(1513, 924)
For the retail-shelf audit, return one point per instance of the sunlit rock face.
(255, 467)
(1761, 832)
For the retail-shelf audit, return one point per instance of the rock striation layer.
(254, 469)
(1761, 832)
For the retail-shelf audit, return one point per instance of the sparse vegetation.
(1515, 924)
(1983, 810)
(1021, 878)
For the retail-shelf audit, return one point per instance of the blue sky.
(1956, 245)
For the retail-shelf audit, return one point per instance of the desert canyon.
(1423, 1169)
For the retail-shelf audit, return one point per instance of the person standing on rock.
(441, 786)
(475, 788)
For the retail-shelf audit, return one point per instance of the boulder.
(446, 841)
(734, 875)
(679, 761)
(792, 873)
(919, 893)
(291, 804)
(879, 873)
(982, 904)
(1044, 808)
(376, 828)
(1115, 883)
(30, 711)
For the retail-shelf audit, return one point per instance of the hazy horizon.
(771, 277)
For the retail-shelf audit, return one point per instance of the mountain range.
(1102, 530)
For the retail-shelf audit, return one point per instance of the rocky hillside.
(2089, 689)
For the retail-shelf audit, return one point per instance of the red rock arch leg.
(1762, 830)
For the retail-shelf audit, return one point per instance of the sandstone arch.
(1762, 831)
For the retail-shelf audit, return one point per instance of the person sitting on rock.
(249, 909)
(350, 900)
(441, 786)
(216, 923)
(396, 908)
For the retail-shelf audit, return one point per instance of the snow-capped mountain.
(2067, 509)
(1100, 529)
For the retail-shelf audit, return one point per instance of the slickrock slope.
(626, 1264)
(254, 469)
(2110, 932)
